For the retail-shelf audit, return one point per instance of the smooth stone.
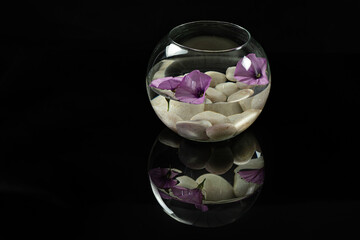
(215, 188)
(193, 155)
(193, 130)
(165, 92)
(243, 120)
(240, 95)
(257, 101)
(230, 74)
(242, 85)
(213, 117)
(220, 161)
(159, 101)
(215, 95)
(243, 188)
(227, 88)
(186, 182)
(170, 119)
(208, 101)
(224, 108)
(244, 148)
(169, 138)
(221, 131)
(254, 163)
(185, 110)
(216, 78)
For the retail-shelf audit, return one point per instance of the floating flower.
(254, 175)
(167, 83)
(163, 177)
(193, 196)
(251, 70)
(190, 88)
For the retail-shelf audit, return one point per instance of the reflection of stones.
(227, 175)
(216, 188)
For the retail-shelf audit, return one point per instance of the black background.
(77, 127)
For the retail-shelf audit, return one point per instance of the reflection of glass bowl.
(239, 86)
(206, 184)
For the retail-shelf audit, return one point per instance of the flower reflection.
(222, 179)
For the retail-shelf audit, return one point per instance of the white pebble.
(215, 188)
(230, 76)
(240, 95)
(216, 78)
(220, 160)
(242, 85)
(257, 101)
(230, 73)
(222, 131)
(159, 101)
(213, 117)
(215, 95)
(186, 182)
(185, 110)
(168, 118)
(227, 88)
(244, 148)
(224, 108)
(193, 130)
(243, 120)
(243, 188)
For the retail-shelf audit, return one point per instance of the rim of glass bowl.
(235, 26)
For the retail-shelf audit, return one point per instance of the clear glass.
(206, 184)
(215, 49)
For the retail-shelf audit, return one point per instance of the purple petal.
(162, 178)
(193, 196)
(244, 68)
(164, 195)
(258, 63)
(254, 176)
(167, 83)
(192, 88)
(187, 96)
(249, 67)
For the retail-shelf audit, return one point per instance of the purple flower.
(163, 177)
(192, 87)
(189, 89)
(193, 196)
(251, 70)
(254, 175)
(167, 83)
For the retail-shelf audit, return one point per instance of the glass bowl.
(206, 184)
(208, 81)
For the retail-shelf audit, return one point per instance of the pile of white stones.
(229, 108)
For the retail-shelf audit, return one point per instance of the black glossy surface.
(76, 126)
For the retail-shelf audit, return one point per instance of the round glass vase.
(208, 81)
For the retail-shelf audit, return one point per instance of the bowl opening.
(210, 36)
